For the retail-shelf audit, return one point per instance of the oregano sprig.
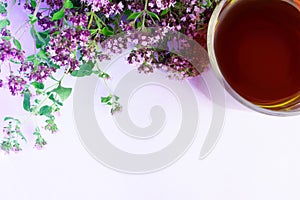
(70, 39)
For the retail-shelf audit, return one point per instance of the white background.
(257, 157)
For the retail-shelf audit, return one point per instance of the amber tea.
(257, 47)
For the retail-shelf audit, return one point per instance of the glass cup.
(292, 109)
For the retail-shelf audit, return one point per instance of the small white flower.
(121, 6)
(193, 17)
(144, 43)
(52, 52)
(158, 3)
(135, 41)
(85, 58)
(197, 10)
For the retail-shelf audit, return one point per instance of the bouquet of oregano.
(68, 40)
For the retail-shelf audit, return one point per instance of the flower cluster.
(189, 17)
(40, 142)
(159, 5)
(54, 3)
(43, 19)
(70, 36)
(38, 73)
(63, 47)
(51, 125)
(105, 6)
(77, 19)
(8, 52)
(12, 136)
(149, 59)
(16, 84)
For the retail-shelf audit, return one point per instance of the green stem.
(34, 14)
(146, 5)
(91, 20)
(21, 26)
(56, 84)
(117, 24)
(144, 14)
(40, 104)
(99, 20)
(104, 81)
(61, 79)
(38, 4)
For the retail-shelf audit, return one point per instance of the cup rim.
(213, 62)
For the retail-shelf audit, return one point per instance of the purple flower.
(63, 48)
(105, 6)
(36, 73)
(78, 19)
(159, 5)
(16, 84)
(7, 52)
(16, 148)
(40, 143)
(54, 3)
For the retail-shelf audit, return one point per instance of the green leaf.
(62, 92)
(33, 3)
(30, 58)
(15, 62)
(42, 39)
(134, 15)
(164, 12)
(39, 38)
(37, 85)
(208, 3)
(33, 19)
(45, 110)
(68, 4)
(93, 31)
(105, 31)
(37, 132)
(58, 15)
(8, 118)
(139, 24)
(104, 75)
(32, 32)
(51, 97)
(44, 34)
(6, 37)
(153, 15)
(26, 101)
(37, 101)
(36, 62)
(17, 44)
(2, 8)
(42, 55)
(106, 99)
(84, 70)
(4, 23)
(117, 98)
(127, 12)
